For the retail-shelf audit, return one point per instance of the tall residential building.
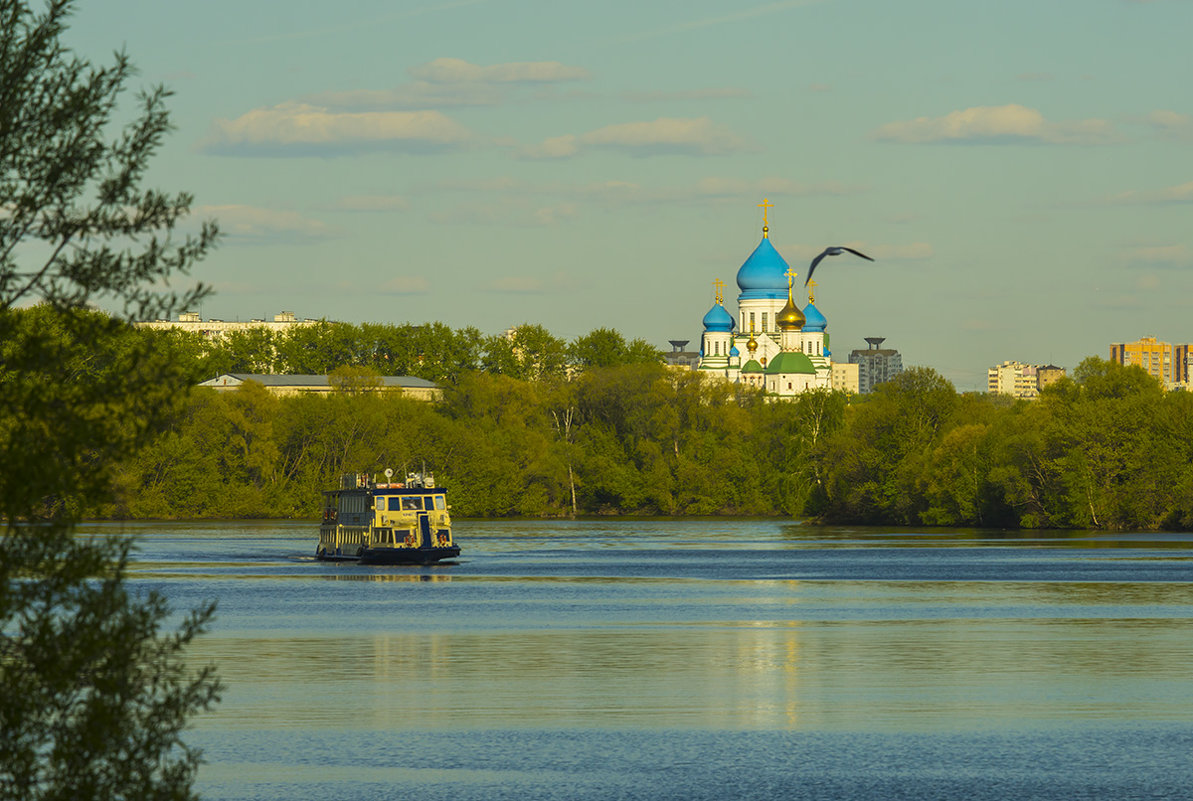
(680, 357)
(1164, 361)
(875, 364)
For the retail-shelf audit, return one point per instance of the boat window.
(440, 502)
(429, 502)
(411, 504)
(381, 504)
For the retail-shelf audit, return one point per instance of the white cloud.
(506, 211)
(1172, 125)
(558, 147)
(410, 96)
(1181, 193)
(1009, 124)
(455, 70)
(371, 203)
(1159, 256)
(768, 187)
(667, 134)
(452, 82)
(698, 136)
(304, 129)
(689, 94)
(256, 225)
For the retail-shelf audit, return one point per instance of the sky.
(1022, 172)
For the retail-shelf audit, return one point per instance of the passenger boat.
(386, 523)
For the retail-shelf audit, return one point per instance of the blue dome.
(718, 319)
(815, 320)
(764, 274)
(734, 351)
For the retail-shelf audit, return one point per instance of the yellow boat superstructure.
(386, 523)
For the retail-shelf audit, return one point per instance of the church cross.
(765, 206)
(791, 274)
(717, 286)
(811, 290)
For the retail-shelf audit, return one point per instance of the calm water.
(694, 660)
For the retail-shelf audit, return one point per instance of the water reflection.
(665, 646)
(746, 674)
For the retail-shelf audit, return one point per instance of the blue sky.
(1021, 171)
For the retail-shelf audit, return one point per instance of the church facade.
(770, 343)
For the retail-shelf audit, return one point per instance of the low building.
(1049, 374)
(1021, 380)
(875, 364)
(1012, 378)
(218, 329)
(1166, 362)
(408, 386)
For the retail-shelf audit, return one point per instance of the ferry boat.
(386, 523)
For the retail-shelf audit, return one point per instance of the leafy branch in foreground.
(75, 224)
(93, 695)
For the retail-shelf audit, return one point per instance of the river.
(681, 659)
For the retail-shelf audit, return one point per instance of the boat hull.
(393, 556)
(407, 556)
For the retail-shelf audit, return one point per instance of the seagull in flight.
(832, 251)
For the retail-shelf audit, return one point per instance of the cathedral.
(786, 350)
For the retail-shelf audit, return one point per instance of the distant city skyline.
(1020, 171)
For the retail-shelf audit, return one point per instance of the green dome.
(790, 362)
(752, 366)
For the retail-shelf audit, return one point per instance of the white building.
(1013, 378)
(770, 343)
(218, 329)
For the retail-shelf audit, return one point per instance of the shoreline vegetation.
(536, 427)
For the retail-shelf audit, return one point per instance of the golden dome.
(790, 318)
(752, 344)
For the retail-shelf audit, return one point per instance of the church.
(786, 349)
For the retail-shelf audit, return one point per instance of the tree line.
(434, 351)
(1106, 448)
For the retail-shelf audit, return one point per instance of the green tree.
(93, 695)
(605, 347)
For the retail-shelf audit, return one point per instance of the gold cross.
(717, 287)
(791, 274)
(811, 289)
(765, 206)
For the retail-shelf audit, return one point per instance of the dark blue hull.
(394, 556)
(408, 556)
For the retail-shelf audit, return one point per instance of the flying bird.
(832, 251)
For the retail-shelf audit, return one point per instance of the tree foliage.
(1104, 449)
(76, 224)
(93, 694)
